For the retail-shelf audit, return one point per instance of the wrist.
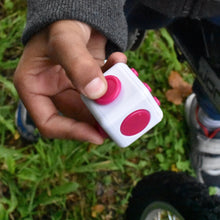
(64, 27)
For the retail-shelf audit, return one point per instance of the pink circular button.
(114, 88)
(135, 122)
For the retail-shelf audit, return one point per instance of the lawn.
(62, 179)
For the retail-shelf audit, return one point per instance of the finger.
(69, 48)
(45, 114)
(114, 58)
(70, 104)
(53, 125)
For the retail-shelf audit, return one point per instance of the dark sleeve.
(103, 15)
(185, 8)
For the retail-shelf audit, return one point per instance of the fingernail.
(95, 89)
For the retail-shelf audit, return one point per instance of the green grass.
(62, 179)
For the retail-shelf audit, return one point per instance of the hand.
(58, 64)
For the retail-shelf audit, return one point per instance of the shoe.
(205, 147)
(25, 124)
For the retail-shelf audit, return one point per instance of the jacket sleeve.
(103, 15)
(185, 8)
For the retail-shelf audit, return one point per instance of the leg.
(208, 78)
(197, 39)
(139, 19)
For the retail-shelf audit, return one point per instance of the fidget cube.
(127, 110)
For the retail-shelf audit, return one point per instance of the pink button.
(157, 100)
(135, 122)
(134, 71)
(148, 87)
(114, 88)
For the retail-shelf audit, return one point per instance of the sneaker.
(25, 124)
(205, 146)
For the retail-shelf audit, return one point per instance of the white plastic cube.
(127, 110)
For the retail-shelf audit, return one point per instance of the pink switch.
(114, 88)
(134, 71)
(148, 87)
(101, 131)
(135, 122)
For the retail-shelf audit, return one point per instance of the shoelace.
(205, 130)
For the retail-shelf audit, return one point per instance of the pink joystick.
(114, 88)
(135, 122)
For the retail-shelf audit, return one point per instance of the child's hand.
(57, 64)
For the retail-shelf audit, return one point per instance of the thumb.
(68, 41)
